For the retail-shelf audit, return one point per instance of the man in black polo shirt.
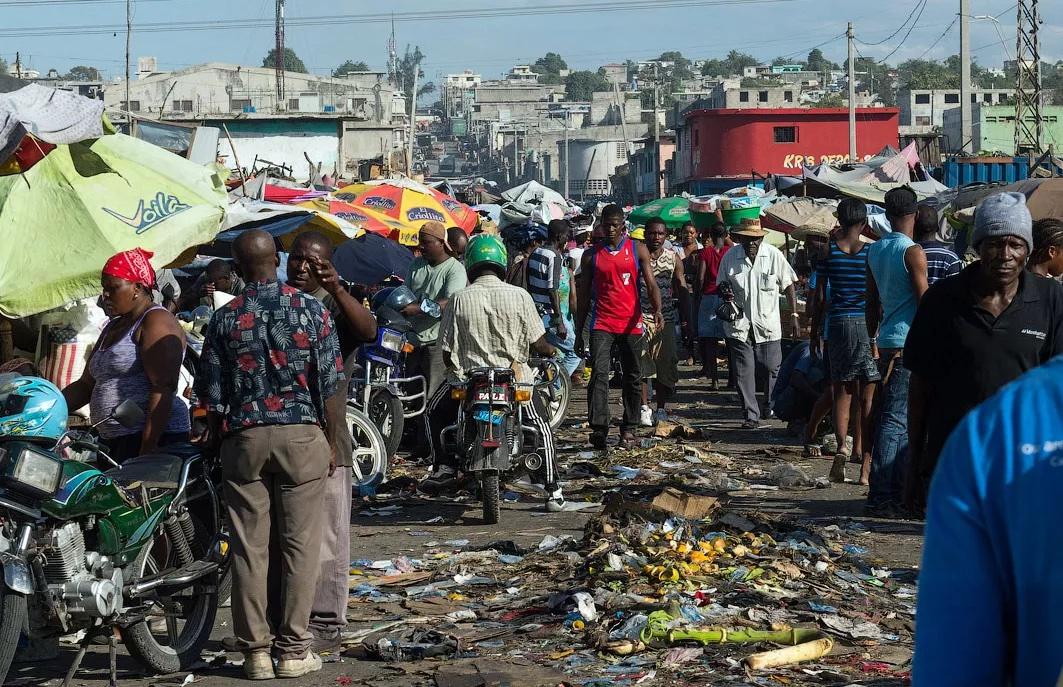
(975, 332)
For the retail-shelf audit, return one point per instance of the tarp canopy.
(533, 193)
(805, 214)
(674, 212)
(283, 221)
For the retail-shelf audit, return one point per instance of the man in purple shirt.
(271, 359)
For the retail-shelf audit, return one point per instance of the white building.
(925, 109)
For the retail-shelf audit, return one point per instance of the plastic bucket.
(733, 217)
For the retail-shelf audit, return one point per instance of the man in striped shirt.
(941, 261)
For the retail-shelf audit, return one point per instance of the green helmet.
(484, 250)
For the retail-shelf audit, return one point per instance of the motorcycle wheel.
(12, 620)
(370, 459)
(552, 403)
(385, 409)
(179, 647)
(492, 498)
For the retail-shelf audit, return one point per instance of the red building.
(747, 142)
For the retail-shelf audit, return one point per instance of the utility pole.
(852, 94)
(18, 66)
(1029, 124)
(656, 161)
(128, 33)
(568, 163)
(413, 118)
(965, 77)
(278, 56)
(627, 146)
(392, 56)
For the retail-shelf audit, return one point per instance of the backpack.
(518, 274)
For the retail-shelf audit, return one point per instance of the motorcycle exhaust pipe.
(533, 462)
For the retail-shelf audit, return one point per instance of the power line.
(939, 38)
(918, 5)
(435, 15)
(910, 29)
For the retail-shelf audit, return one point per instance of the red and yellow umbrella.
(368, 220)
(410, 203)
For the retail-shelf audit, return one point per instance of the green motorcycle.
(134, 551)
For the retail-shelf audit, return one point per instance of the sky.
(91, 32)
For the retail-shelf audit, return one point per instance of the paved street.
(896, 543)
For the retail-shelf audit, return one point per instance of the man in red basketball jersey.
(609, 293)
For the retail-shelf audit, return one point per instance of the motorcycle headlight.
(31, 470)
(391, 340)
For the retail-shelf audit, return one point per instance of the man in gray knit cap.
(976, 331)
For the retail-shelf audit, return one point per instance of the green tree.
(817, 62)
(292, 63)
(714, 67)
(681, 69)
(923, 74)
(549, 68)
(877, 78)
(736, 62)
(348, 67)
(410, 61)
(832, 100)
(83, 73)
(580, 84)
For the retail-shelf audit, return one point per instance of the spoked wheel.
(178, 624)
(385, 409)
(553, 391)
(370, 460)
(12, 620)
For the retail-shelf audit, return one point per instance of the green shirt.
(434, 283)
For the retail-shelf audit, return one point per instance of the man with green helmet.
(488, 324)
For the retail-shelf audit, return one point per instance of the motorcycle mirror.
(128, 414)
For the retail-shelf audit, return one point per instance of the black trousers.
(629, 346)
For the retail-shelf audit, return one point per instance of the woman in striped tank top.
(852, 365)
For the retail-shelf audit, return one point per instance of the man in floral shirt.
(271, 358)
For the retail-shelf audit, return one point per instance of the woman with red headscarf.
(138, 356)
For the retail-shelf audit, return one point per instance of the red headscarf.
(132, 265)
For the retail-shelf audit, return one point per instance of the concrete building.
(505, 101)
(336, 122)
(993, 128)
(591, 164)
(926, 108)
(458, 95)
(522, 73)
(615, 73)
(719, 148)
(652, 166)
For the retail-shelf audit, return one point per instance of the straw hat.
(750, 228)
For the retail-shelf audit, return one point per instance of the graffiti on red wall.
(798, 161)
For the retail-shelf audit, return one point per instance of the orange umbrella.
(410, 203)
(366, 219)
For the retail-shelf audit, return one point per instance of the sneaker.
(646, 416)
(298, 667)
(661, 415)
(259, 666)
(442, 476)
(326, 642)
(555, 503)
(752, 424)
(599, 440)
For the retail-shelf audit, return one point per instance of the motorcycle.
(92, 550)
(553, 392)
(490, 438)
(379, 388)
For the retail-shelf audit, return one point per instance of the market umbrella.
(410, 202)
(370, 259)
(64, 216)
(281, 221)
(364, 218)
(675, 212)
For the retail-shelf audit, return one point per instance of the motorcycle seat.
(154, 471)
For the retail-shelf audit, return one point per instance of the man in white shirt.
(757, 274)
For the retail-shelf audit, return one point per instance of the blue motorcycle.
(379, 388)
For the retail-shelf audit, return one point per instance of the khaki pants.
(275, 480)
(329, 614)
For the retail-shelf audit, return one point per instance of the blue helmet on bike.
(32, 407)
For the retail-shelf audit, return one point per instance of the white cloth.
(59, 117)
(757, 288)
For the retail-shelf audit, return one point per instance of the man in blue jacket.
(991, 588)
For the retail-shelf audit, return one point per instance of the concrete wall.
(284, 142)
(993, 128)
(931, 113)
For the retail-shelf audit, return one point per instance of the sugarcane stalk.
(806, 651)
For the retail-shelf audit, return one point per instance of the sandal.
(837, 470)
(813, 451)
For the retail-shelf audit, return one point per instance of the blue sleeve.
(209, 383)
(962, 597)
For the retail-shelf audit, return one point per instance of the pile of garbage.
(666, 583)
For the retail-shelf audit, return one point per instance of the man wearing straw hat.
(757, 274)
